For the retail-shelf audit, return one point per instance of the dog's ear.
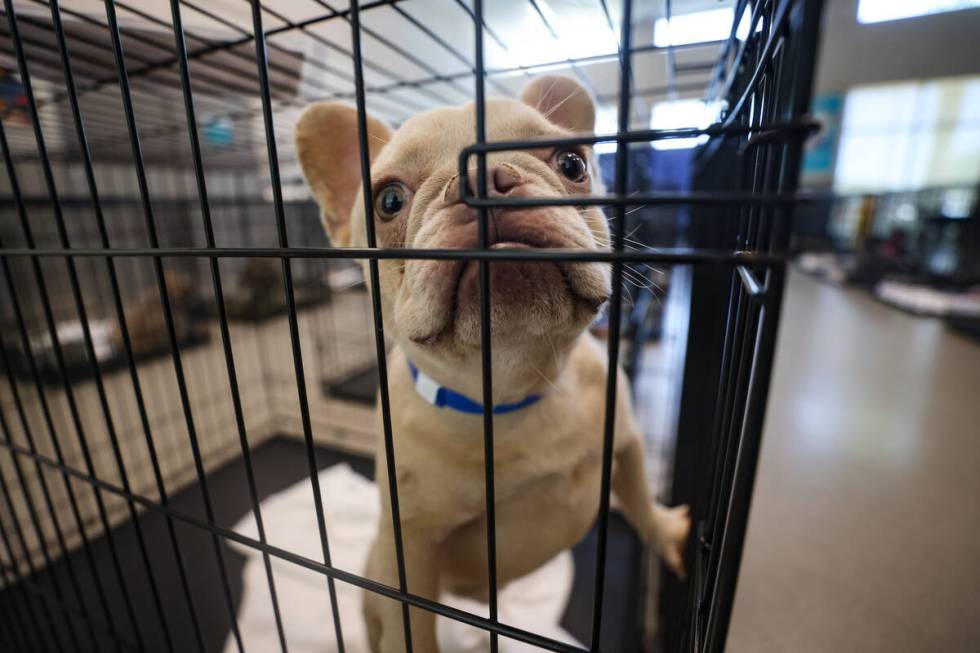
(329, 152)
(563, 101)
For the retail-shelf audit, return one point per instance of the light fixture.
(701, 27)
(878, 11)
(606, 123)
(532, 45)
(680, 114)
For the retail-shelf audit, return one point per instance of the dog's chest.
(556, 459)
(548, 459)
(559, 491)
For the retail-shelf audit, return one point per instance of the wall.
(929, 46)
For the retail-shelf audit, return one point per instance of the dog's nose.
(501, 179)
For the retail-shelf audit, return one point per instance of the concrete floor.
(865, 527)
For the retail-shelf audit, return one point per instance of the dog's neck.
(534, 369)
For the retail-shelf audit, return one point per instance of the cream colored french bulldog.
(549, 374)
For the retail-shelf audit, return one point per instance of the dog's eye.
(390, 200)
(571, 165)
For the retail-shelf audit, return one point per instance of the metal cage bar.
(615, 314)
(375, 278)
(486, 359)
(11, 575)
(222, 316)
(117, 300)
(764, 78)
(151, 228)
(52, 330)
(270, 137)
(49, 503)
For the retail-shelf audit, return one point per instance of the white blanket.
(535, 602)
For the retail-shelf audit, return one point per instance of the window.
(910, 136)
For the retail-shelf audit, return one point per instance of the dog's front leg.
(385, 621)
(664, 528)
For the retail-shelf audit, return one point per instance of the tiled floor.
(865, 527)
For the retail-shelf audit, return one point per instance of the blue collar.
(441, 397)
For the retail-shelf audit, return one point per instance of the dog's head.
(415, 188)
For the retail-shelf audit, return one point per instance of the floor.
(865, 527)
(278, 464)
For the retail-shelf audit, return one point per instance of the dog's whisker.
(642, 245)
(629, 281)
(554, 350)
(654, 270)
(646, 279)
(559, 104)
(542, 103)
(545, 378)
(638, 286)
(637, 280)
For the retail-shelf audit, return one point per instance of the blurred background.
(863, 532)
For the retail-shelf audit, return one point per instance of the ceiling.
(417, 54)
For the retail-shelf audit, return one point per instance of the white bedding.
(535, 602)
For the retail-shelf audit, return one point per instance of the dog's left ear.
(329, 152)
(562, 101)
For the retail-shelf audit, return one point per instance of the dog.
(549, 373)
(145, 319)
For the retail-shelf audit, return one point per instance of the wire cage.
(170, 301)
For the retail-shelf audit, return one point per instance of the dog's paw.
(673, 527)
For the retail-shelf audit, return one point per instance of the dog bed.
(535, 602)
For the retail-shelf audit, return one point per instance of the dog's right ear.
(563, 101)
(329, 152)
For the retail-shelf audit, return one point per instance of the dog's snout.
(502, 178)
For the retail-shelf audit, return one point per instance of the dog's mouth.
(468, 274)
(508, 272)
(528, 296)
